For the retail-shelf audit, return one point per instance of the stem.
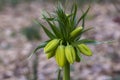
(59, 74)
(35, 67)
(66, 74)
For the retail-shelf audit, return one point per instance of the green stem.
(35, 67)
(59, 74)
(66, 75)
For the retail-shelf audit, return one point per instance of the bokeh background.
(19, 36)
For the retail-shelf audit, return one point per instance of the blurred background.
(19, 36)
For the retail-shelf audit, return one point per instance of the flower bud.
(76, 32)
(50, 54)
(60, 56)
(84, 49)
(70, 54)
(52, 45)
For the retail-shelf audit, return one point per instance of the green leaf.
(87, 29)
(83, 22)
(49, 34)
(62, 28)
(43, 44)
(84, 32)
(88, 41)
(53, 27)
(103, 42)
(78, 56)
(50, 19)
(60, 18)
(73, 17)
(83, 16)
(74, 11)
(78, 53)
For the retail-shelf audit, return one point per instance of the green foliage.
(31, 33)
(64, 30)
(62, 24)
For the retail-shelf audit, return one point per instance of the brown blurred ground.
(15, 48)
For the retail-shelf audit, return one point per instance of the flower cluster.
(65, 43)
